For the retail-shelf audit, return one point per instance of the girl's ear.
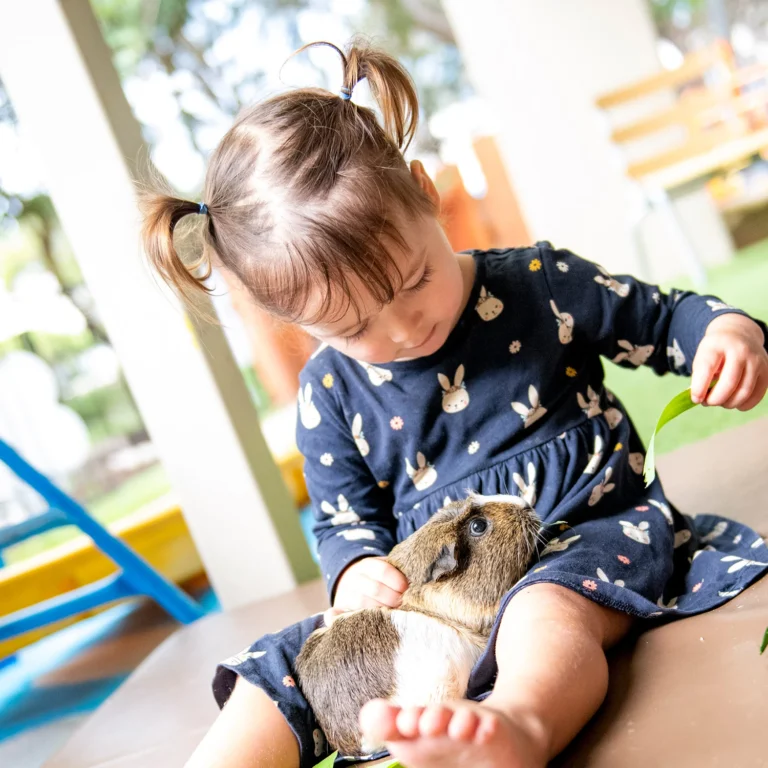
(423, 180)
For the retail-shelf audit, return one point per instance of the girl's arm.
(633, 323)
(353, 515)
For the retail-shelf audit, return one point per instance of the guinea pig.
(459, 565)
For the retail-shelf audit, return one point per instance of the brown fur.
(455, 578)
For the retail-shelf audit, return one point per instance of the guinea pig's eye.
(478, 526)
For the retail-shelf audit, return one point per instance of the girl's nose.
(404, 328)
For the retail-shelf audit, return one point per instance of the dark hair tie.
(346, 93)
(202, 208)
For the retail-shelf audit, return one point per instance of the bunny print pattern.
(513, 403)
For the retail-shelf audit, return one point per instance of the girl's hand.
(732, 349)
(370, 583)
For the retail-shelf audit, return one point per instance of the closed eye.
(424, 280)
(358, 334)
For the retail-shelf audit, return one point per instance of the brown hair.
(304, 190)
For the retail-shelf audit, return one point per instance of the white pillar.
(541, 64)
(69, 102)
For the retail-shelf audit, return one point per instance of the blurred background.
(634, 132)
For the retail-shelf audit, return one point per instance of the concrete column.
(540, 65)
(59, 74)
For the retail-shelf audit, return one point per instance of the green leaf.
(328, 762)
(680, 403)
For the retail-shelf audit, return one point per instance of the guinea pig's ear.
(443, 565)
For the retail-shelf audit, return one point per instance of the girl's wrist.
(736, 323)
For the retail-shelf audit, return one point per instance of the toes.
(463, 725)
(434, 721)
(378, 722)
(487, 728)
(408, 722)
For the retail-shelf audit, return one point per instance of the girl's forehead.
(336, 310)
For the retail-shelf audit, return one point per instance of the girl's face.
(425, 310)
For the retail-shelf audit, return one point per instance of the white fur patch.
(433, 661)
(499, 498)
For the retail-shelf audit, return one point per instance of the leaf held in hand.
(329, 761)
(680, 403)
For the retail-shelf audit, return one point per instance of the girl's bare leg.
(553, 675)
(249, 732)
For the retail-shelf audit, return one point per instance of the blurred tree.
(691, 23)
(179, 37)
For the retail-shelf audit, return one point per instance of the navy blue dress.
(513, 403)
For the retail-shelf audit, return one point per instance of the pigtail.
(391, 86)
(162, 213)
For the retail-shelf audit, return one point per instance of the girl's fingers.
(727, 382)
(381, 570)
(706, 364)
(379, 594)
(745, 389)
(331, 615)
(757, 394)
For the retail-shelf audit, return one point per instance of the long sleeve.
(353, 515)
(630, 322)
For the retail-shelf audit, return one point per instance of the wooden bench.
(677, 129)
(691, 693)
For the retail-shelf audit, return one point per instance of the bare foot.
(458, 733)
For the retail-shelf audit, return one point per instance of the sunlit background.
(187, 68)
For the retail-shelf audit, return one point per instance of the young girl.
(440, 372)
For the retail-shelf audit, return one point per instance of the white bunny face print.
(664, 509)
(319, 739)
(637, 355)
(613, 416)
(718, 306)
(243, 656)
(675, 354)
(357, 534)
(344, 515)
(604, 278)
(600, 490)
(715, 533)
(591, 404)
(638, 533)
(532, 413)
(595, 458)
(601, 575)
(564, 324)
(455, 396)
(424, 476)
(527, 490)
(488, 306)
(636, 462)
(308, 413)
(358, 436)
(377, 376)
(555, 545)
(739, 562)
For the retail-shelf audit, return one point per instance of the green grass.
(130, 496)
(743, 283)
